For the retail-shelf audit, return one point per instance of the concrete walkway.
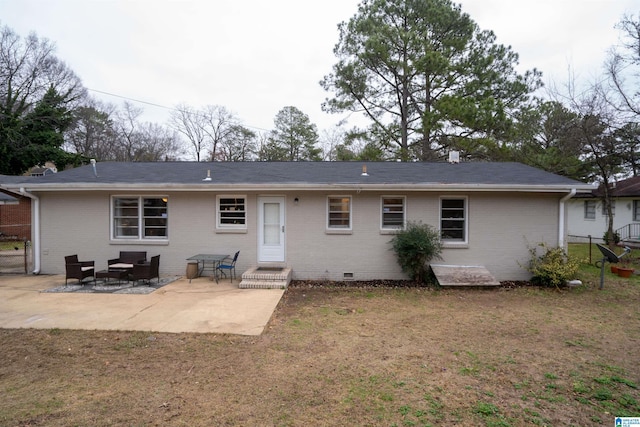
(200, 306)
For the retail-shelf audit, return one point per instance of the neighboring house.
(324, 220)
(42, 171)
(588, 214)
(48, 169)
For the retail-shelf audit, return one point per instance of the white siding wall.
(501, 226)
(579, 226)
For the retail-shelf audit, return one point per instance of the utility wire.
(131, 99)
(157, 105)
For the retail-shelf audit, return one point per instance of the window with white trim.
(453, 219)
(139, 218)
(232, 212)
(393, 212)
(636, 210)
(339, 212)
(589, 209)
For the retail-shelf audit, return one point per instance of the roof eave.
(201, 187)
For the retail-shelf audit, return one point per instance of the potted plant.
(625, 269)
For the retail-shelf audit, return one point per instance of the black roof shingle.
(300, 173)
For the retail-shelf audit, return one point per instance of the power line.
(131, 99)
(157, 105)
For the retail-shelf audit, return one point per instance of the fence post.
(24, 245)
(589, 248)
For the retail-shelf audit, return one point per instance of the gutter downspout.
(561, 218)
(35, 211)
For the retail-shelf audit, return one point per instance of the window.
(613, 208)
(589, 209)
(636, 210)
(393, 212)
(232, 212)
(139, 218)
(453, 224)
(339, 212)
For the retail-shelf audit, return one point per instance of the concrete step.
(263, 284)
(266, 278)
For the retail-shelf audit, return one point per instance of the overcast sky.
(257, 56)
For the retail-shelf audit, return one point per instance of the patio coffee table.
(113, 273)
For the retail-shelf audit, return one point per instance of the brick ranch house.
(323, 220)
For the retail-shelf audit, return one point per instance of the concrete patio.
(200, 306)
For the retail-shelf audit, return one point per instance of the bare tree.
(129, 134)
(205, 129)
(331, 140)
(159, 144)
(190, 123)
(220, 124)
(28, 69)
(623, 68)
(595, 131)
(138, 141)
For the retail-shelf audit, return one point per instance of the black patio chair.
(78, 269)
(147, 270)
(230, 267)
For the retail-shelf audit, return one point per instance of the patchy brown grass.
(513, 356)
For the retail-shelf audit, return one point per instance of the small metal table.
(207, 261)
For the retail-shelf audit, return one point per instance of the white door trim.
(271, 229)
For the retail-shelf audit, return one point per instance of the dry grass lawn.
(366, 356)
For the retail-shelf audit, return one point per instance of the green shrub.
(616, 237)
(415, 246)
(553, 268)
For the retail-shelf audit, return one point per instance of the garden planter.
(614, 269)
(625, 272)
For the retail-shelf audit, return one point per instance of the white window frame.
(382, 213)
(465, 229)
(350, 208)
(220, 212)
(140, 219)
(589, 210)
(636, 210)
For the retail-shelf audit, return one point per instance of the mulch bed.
(392, 284)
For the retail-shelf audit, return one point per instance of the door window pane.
(271, 223)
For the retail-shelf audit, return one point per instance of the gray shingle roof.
(629, 187)
(6, 198)
(295, 174)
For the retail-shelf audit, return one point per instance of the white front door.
(271, 229)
